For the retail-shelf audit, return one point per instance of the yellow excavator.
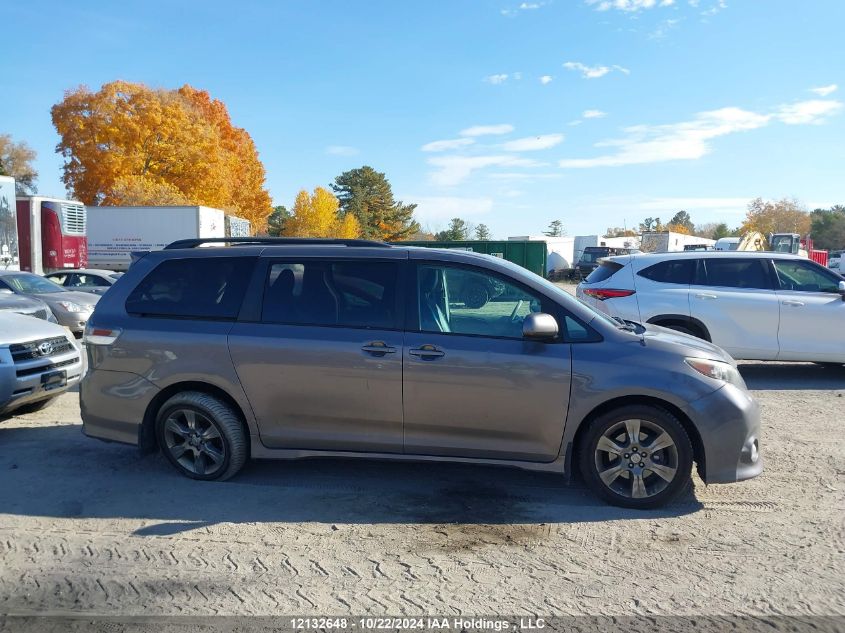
(775, 242)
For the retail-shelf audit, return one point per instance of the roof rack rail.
(277, 241)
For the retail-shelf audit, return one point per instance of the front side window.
(804, 277)
(678, 271)
(90, 280)
(468, 301)
(341, 293)
(736, 273)
(203, 288)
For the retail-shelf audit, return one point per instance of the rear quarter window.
(201, 288)
(605, 270)
(679, 271)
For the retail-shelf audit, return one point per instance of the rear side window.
(679, 271)
(605, 270)
(342, 293)
(201, 288)
(736, 273)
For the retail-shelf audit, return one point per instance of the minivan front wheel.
(636, 457)
(202, 436)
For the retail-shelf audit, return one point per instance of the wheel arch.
(147, 440)
(665, 320)
(617, 403)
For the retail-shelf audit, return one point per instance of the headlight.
(717, 370)
(70, 306)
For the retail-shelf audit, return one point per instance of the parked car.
(71, 309)
(309, 348)
(591, 256)
(30, 306)
(38, 362)
(755, 305)
(85, 279)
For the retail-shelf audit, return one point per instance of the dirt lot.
(89, 527)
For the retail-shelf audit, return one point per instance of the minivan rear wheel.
(636, 456)
(201, 436)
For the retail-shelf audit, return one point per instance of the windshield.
(31, 284)
(590, 257)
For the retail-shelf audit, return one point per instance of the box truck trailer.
(40, 234)
(114, 233)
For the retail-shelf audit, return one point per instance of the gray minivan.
(273, 348)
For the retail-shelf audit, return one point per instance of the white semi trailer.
(114, 233)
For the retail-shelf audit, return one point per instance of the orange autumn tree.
(317, 215)
(131, 144)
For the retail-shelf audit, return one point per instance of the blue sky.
(507, 112)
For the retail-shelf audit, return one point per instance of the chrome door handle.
(378, 348)
(427, 352)
(705, 295)
(793, 303)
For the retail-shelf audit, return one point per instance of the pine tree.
(482, 233)
(366, 193)
(555, 229)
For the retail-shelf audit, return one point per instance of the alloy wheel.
(194, 441)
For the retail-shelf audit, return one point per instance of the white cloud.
(663, 29)
(594, 72)
(533, 143)
(593, 114)
(575, 122)
(524, 6)
(453, 170)
(814, 112)
(341, 150)
(629, 5)
(433, 209)
(484, 130)
(719, 5)
(687, 140)
(448, 144)
(823, 91)
(496, 79)
(546, 79)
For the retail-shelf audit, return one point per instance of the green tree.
(555, 229)
(456, 232)
(366, 193)
(683, 219)
(482, 233)
(721, 231)
(651, 224)
(277, 219)
(828, 227)
(16, 161)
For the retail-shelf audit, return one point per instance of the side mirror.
(842, 289)
(539, 325)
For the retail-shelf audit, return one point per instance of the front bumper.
(21, 383)
(74, 321)
(728, 421)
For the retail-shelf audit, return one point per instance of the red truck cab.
(61, 225)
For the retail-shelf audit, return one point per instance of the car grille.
(36, 349)
(73, 219)
(31, 371)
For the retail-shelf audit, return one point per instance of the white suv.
(760, 306)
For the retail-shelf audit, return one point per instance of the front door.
(812, 312)
(473, 386)
(323, 367)
(735, 299)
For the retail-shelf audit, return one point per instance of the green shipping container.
(530, 255)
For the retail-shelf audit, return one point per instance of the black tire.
(476, 296)
(651, 422)
(224, 449)
(36, 406)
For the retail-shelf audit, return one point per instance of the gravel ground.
(93, 528)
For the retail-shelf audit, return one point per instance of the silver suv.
(310, 348)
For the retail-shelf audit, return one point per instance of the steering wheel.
(514, 318)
